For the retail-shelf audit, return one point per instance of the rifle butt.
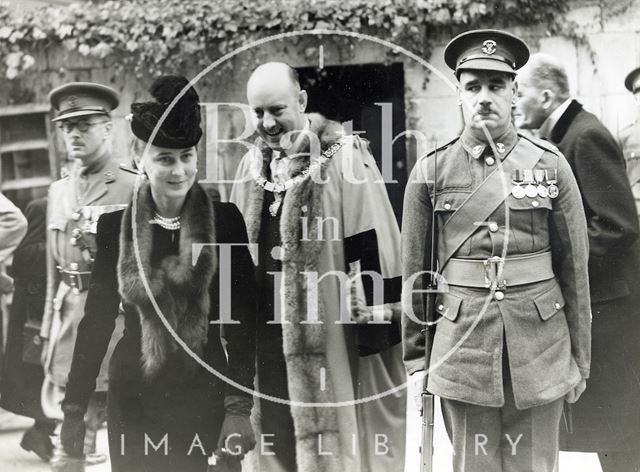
(426, 447)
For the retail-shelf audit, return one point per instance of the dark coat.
(613, 394)
(22, 381)
(179, 397)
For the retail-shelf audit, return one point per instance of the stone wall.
(596, 73)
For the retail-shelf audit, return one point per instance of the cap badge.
(489, 46)
(72, 101)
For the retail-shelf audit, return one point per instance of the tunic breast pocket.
(528, 223)
(447, 203)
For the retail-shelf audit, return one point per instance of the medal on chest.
(551, 176)
(530, 190)
(517, 191)
(538, 175)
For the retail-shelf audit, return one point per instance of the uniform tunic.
(75, 204)
(500, 362)
(546, 325)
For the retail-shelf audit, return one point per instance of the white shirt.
(545, 129)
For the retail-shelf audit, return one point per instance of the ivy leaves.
(145, 36)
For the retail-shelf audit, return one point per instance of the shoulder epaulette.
(438, 149)
(541, 143)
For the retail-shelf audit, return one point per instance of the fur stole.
(179, 288)
(304, 345)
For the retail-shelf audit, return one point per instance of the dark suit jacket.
(597, 162)
(613, 394)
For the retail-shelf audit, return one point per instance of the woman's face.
(171, 172)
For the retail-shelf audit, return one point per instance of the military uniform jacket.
(75, 204)
(630, 144)
(545, 325)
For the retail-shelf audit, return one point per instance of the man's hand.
(236, 435)
(72, 435)
(575, 394)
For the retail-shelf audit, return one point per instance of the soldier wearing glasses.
(94, 186)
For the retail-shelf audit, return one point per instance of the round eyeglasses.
(83, 126)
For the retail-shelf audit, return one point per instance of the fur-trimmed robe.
(359, 225)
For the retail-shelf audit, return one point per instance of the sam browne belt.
(77, 280)
(512, 271)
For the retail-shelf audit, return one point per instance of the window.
(27, 165)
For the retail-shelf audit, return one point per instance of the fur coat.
(179, 289)
(356, 213)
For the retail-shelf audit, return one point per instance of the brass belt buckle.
(493, 267)
(74, 281)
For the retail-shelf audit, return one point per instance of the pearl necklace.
(172, 224)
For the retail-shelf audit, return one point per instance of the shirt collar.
(476, 147)
(547, 126)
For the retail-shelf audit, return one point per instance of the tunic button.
(75, 216)
(490, 161)
(556, 305)
(440, 307)
(447, 206)
(73, 241)
(493, 227)
(499, 295)
(73, 266)
(535, 203)
(633, 154)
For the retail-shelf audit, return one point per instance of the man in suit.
(607, 419)
(95, 185)
(630, 138)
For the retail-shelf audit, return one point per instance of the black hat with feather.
(181, 127)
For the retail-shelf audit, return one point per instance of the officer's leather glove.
(72, 434)
(236, 435)
(577, 391)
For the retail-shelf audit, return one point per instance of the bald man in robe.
(328, 267)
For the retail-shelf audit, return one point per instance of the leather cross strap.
(486, 198)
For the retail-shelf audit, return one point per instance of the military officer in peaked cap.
(630, 138)
(512, 316)
(95, 185)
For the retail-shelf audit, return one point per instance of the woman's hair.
(181, 128)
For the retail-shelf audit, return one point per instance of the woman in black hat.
(166, 410)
